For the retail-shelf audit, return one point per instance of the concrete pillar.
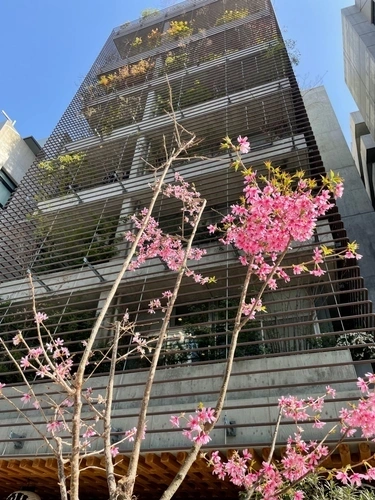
(138, 165)
(124, 226)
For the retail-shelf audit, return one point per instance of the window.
(6, 188)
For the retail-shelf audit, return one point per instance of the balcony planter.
(179, 29)
(126, 76)
(60, 172)
(231, 15)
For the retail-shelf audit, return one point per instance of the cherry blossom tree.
(276, 210)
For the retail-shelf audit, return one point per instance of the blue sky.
(48, 46)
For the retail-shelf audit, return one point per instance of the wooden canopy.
(155, 472)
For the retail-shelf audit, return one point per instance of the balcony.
(116, 112)
(91, 239)
(304, 315)
(225, 78)
(70, 317)
(210, 18)
(66, 176)
(266, 120)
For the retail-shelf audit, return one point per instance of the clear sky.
(47, 47)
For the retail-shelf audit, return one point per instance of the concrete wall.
(359, 59)
(363, 151)
(355, 206)
(365, 7)
(251, 402)
(15, 156)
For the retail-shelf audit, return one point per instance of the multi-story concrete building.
(16, 156)
(359, 65)
(228, 72)
(359, 57)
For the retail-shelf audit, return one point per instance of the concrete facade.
(355, 206)
(175, 391)
(16, 157)
(359, 57)
(363, 151)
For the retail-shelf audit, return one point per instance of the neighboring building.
(359, 66)
(16, 156)
(359, 57)
(229, 74)
(355, 206)
(363, 151)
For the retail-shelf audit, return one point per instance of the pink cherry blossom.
(318, 256)
(351, 255)
(370, 473)
(202, 438)
(130, 434)
(17, 339)
(54, 426)
(298, 495)
(43, 371)
(342, 476)
(154, 243)
(35, 353)
(89, 433)
(318, 271)
(339, 190)
(67, 402)
(297, 269)
(362, 384)
(154, 304)
(25, 363)
(114, 451)
(244, 144)
(40, 317)
(318, 424)
(175, 421)
(356, 479)
(206, 415)
(26, 398)
(330, 391)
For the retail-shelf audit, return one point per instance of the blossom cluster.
(188, 195)
(361, 416)
(196, 423)
(128, 435)
(300, 458)
(271, 216)
(57, 365)
(301, 410)
(53, 360)
(274, 211)
(154, 243)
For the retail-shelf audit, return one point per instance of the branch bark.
(126, 484)
(238, 325)
(111, 481)
(79, 377)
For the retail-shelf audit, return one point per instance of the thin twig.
(111, 481)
